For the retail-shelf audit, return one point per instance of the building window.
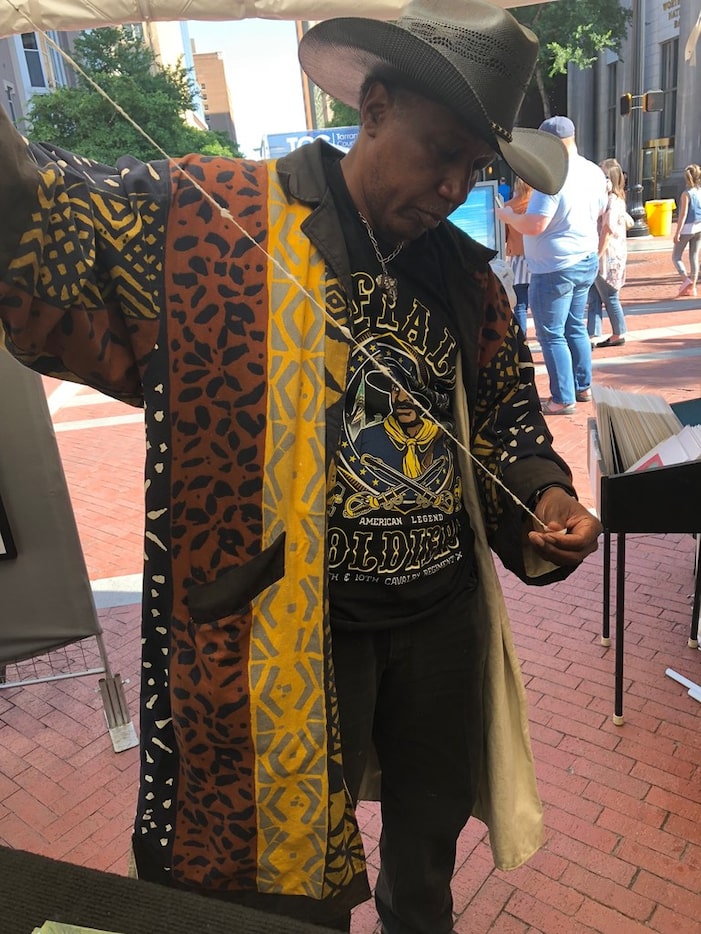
(58, 69)
(611, 109)
(668, 83)
(32, 55)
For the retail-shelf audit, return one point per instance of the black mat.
(688, 412)
(34, 889)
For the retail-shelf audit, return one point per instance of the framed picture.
(7, 544)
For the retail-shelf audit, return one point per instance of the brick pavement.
(622, 804)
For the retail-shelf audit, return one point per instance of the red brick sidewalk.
(622, 804)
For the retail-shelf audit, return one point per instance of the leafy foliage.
(153, 96)
(575, 31)
(343, 114)
(572, 32)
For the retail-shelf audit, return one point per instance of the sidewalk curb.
(648, 244)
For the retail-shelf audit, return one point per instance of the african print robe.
(139, 283)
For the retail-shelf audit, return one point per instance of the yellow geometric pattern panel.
(288, 671)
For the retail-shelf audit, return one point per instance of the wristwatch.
(535, 498)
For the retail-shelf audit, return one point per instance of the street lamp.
(636, 208)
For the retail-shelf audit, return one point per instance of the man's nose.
(456, 184)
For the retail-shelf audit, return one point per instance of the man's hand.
(572, 530)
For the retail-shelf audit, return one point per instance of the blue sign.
(276, 145)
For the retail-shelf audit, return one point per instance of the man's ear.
(376, 105)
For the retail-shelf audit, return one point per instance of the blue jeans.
(595, 312)
(601, 293)
(558, 301)
(521, 306)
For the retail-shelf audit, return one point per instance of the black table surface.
(35, 889)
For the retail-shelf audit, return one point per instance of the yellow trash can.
(659, 216)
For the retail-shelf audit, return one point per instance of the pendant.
(388, 284)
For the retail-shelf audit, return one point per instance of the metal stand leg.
(694, 634)
(605, 627)
(620, 615)
(121, 729)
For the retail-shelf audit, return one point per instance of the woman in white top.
(688, 230)
(613, 254)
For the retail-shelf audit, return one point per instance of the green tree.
(572, 31)
(343, 115)
(154, 96)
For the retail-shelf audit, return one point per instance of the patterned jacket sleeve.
(510, 437)
(80, 264)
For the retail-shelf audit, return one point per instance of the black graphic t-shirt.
(400, 542)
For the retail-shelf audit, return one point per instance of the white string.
(228, 216)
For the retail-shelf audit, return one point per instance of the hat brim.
(338, 54)
(533, 157)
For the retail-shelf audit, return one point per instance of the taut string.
(223, 212)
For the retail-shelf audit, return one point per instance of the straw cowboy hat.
(468, 54)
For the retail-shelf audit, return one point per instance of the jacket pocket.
(233, 590)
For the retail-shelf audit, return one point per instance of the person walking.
(341, 420)
(515, 255)
(688, 231)
(561, 240)
(613, 255)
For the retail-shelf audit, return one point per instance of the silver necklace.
(387, 283)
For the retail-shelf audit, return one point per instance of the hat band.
(501, 131)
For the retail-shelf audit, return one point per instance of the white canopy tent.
(27, 15)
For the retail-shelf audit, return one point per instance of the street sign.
(276, 145)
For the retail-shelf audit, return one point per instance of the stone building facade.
(666, 31)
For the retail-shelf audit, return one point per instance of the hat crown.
(487, 48)
(462, 45)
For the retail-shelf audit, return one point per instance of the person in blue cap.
(561, 242)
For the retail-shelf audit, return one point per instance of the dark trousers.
(415, 693)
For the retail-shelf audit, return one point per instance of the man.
(504, 189)
(290, 640)
(561, 242)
